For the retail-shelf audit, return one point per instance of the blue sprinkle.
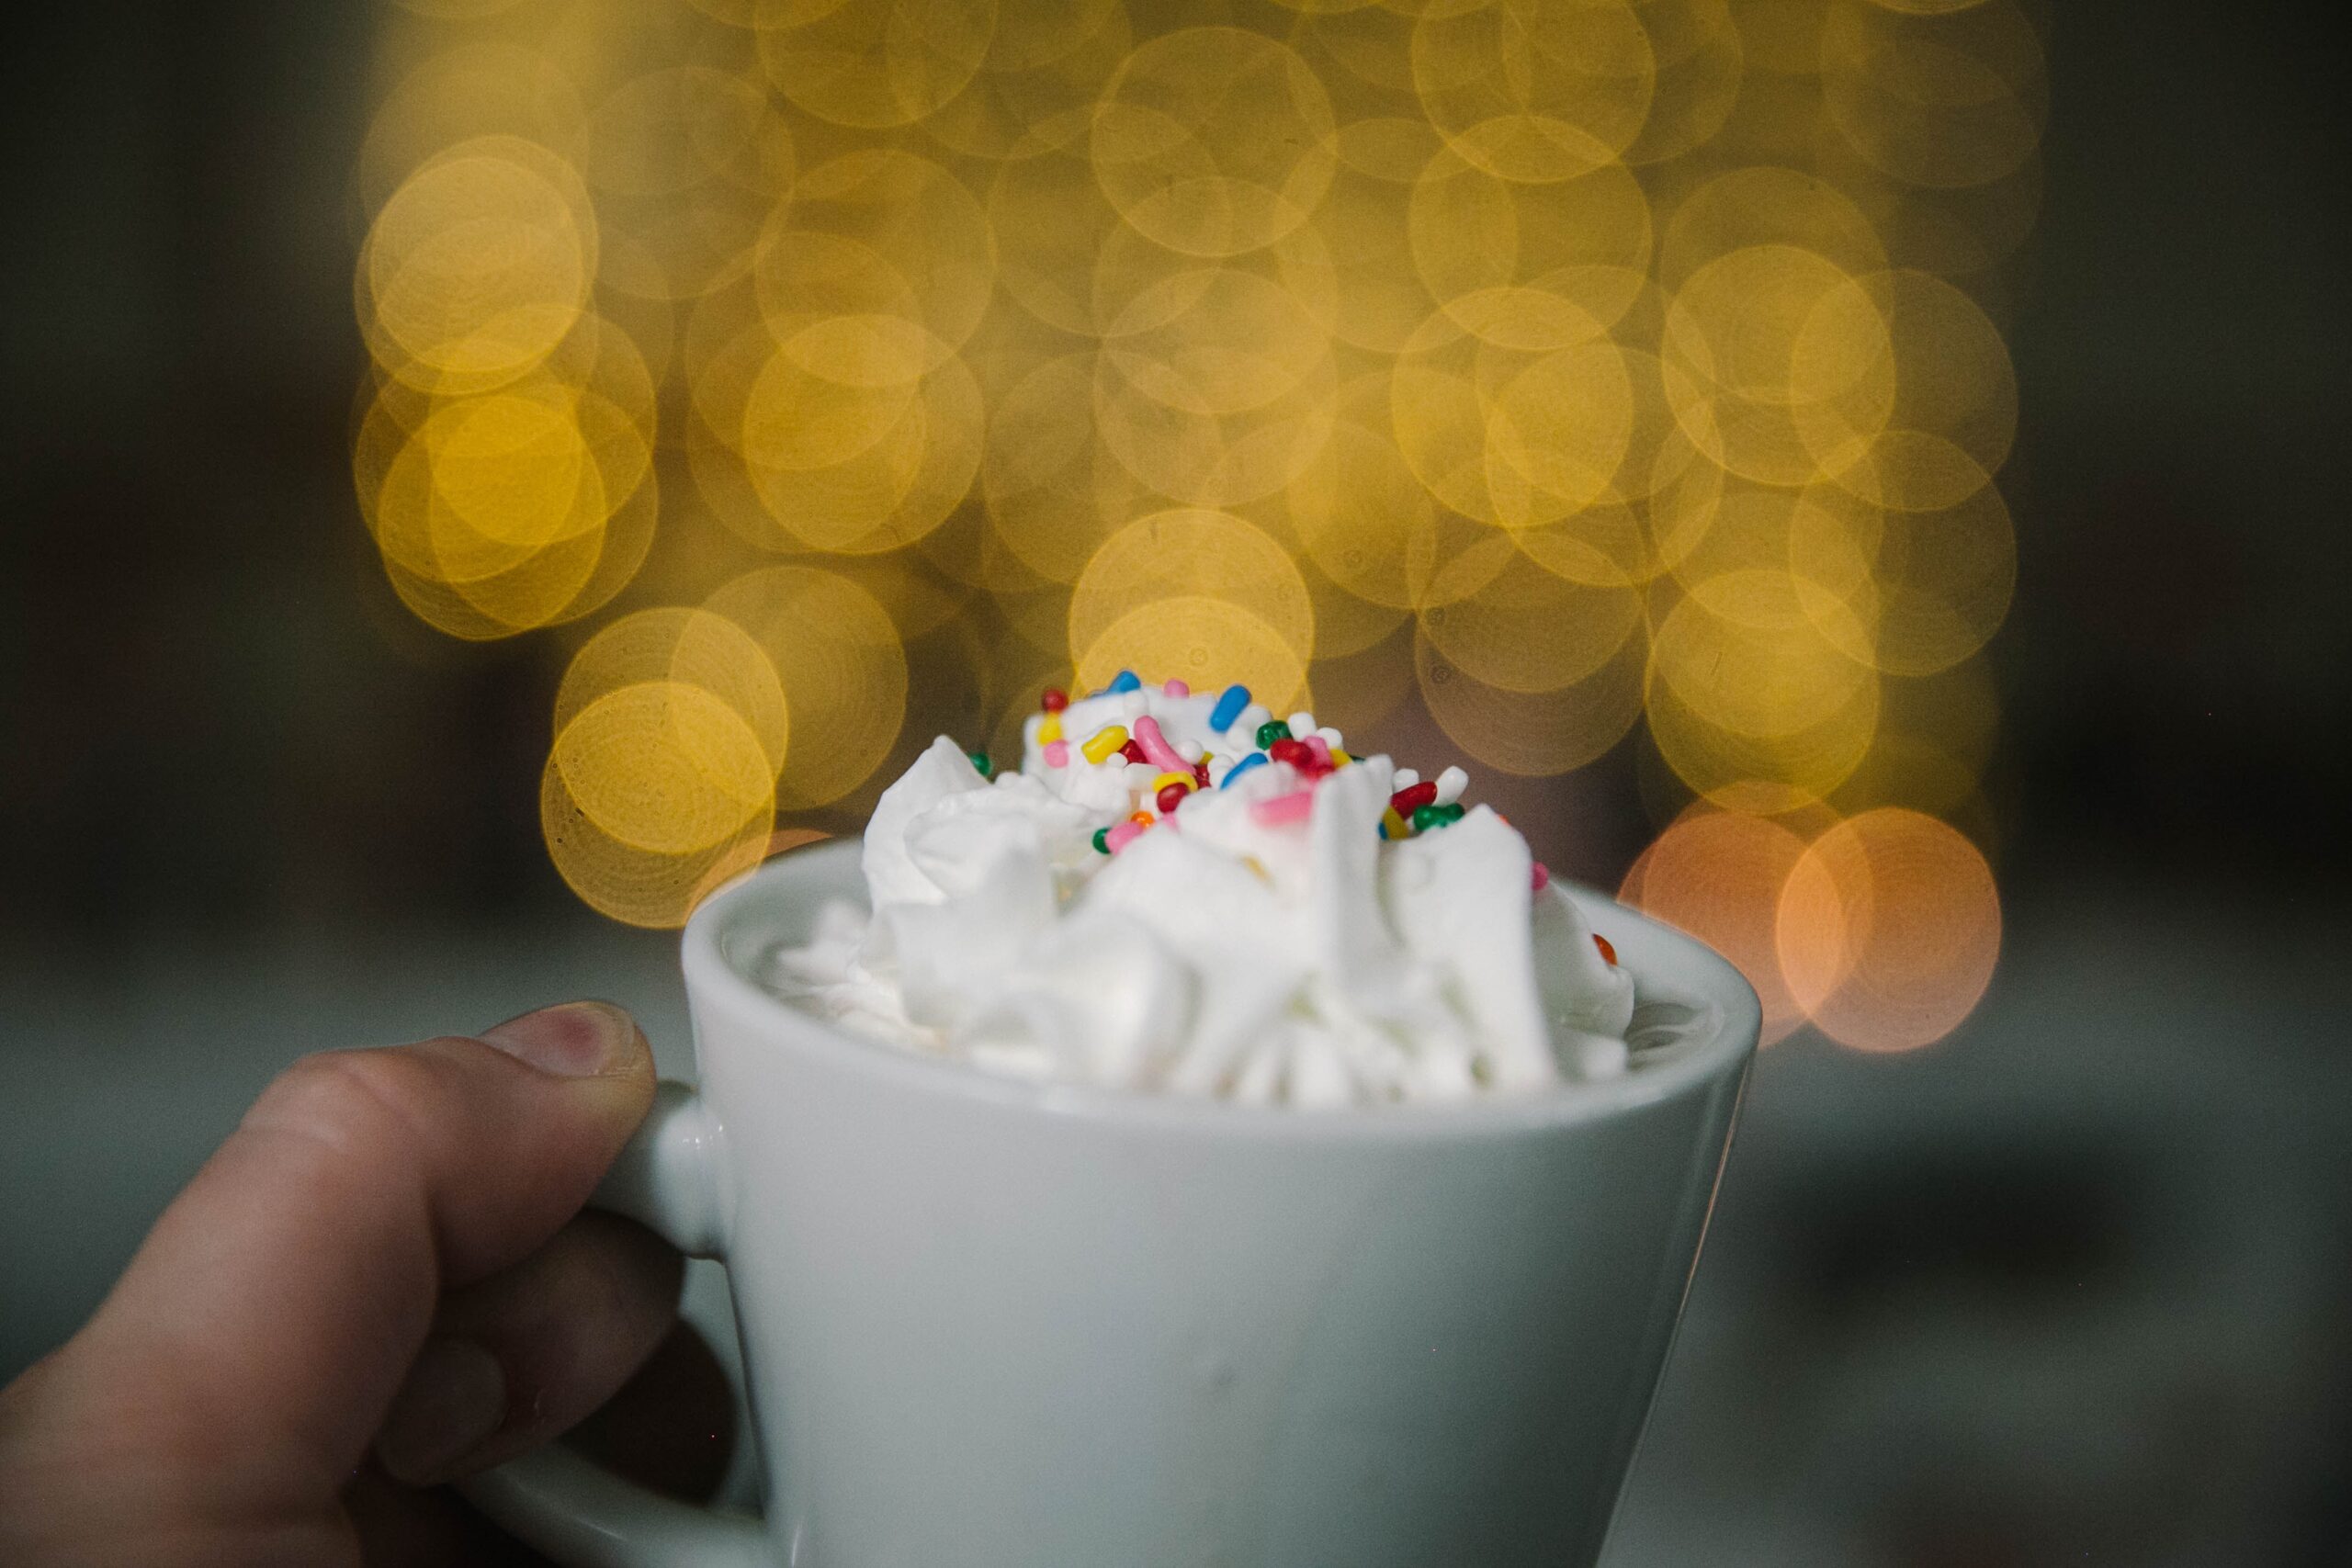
(1384, 828)
(1228, 708)
(1242, 767)
(1125, 681)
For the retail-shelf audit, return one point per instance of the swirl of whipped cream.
(1265, 944)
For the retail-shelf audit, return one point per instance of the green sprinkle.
(1273, 730)
(1428, 817)
(981, 760)
(1101, 848)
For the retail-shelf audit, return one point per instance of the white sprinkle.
(1140, 774)
(1302, 723)
(1134, 703)
(1450, 785)
(1246, 726)
(1407, 778)
(1218, 768)
(1191, 751)
(1331, 738)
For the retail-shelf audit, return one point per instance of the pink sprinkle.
(1058, 753)
(1542, 877)
(1122, 834)
(1321, 747)
(1282, 808)
(1155, 750)
(1177, 689)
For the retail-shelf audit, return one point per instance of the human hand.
(389, 1254)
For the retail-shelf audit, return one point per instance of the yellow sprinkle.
(1394, 824)
(1104, 741)
(1164, 780)
(1049, 729)
(1340, 759)
(1252, 862)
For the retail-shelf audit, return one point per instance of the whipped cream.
(1278, 936)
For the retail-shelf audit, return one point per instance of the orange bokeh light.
(1719, 875)
(1887, 929)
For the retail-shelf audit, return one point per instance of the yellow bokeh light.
(1533, 90)
(1212, 141)
(1192, 637)
(1949, 100)
(1190, 554)
(1486, 633)
(1564, 369)
(478, 265)
(1534, 733)
(874, 63)
(843, 668)
(663, 766)
(682, 647)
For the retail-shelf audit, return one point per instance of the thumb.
(273, 1312)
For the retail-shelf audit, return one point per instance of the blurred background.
(1863, 478)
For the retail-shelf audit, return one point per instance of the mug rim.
(1666, 965)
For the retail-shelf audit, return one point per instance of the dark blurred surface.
(2070, 1286)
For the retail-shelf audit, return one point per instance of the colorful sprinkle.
(1049, 729)
(1321, 750)
(1155, 750)
(1340, 759)
(1104, 741)
(1172, 795)
(981, 760)
(1439, 815)
(1273, 730)
(1125, 681)
(1133, 752)
(1058, 753)
(1255, 759)
(1392, 826)
(1412, 797)
(1541, 878)
(1101, 848)
(1291, 807)
(1120, 835)
(1230, 704)
(1176, 689)
(1201, 773)
(1055, 700)
(1174, 775)
(1294, 752)
(1607, 951)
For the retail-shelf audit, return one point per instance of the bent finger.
(520, 1356)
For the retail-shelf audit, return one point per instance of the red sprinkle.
(1542, 876)
(1201, 771)
(1294, 752)
(1606, 951)
(1412, 797)
(1132, 752)
(1170, 797)
(1055, 700)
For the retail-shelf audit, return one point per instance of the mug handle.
(666, 1179)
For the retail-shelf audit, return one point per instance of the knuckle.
(346, 1100)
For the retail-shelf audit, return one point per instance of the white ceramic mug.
(990, 1323)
